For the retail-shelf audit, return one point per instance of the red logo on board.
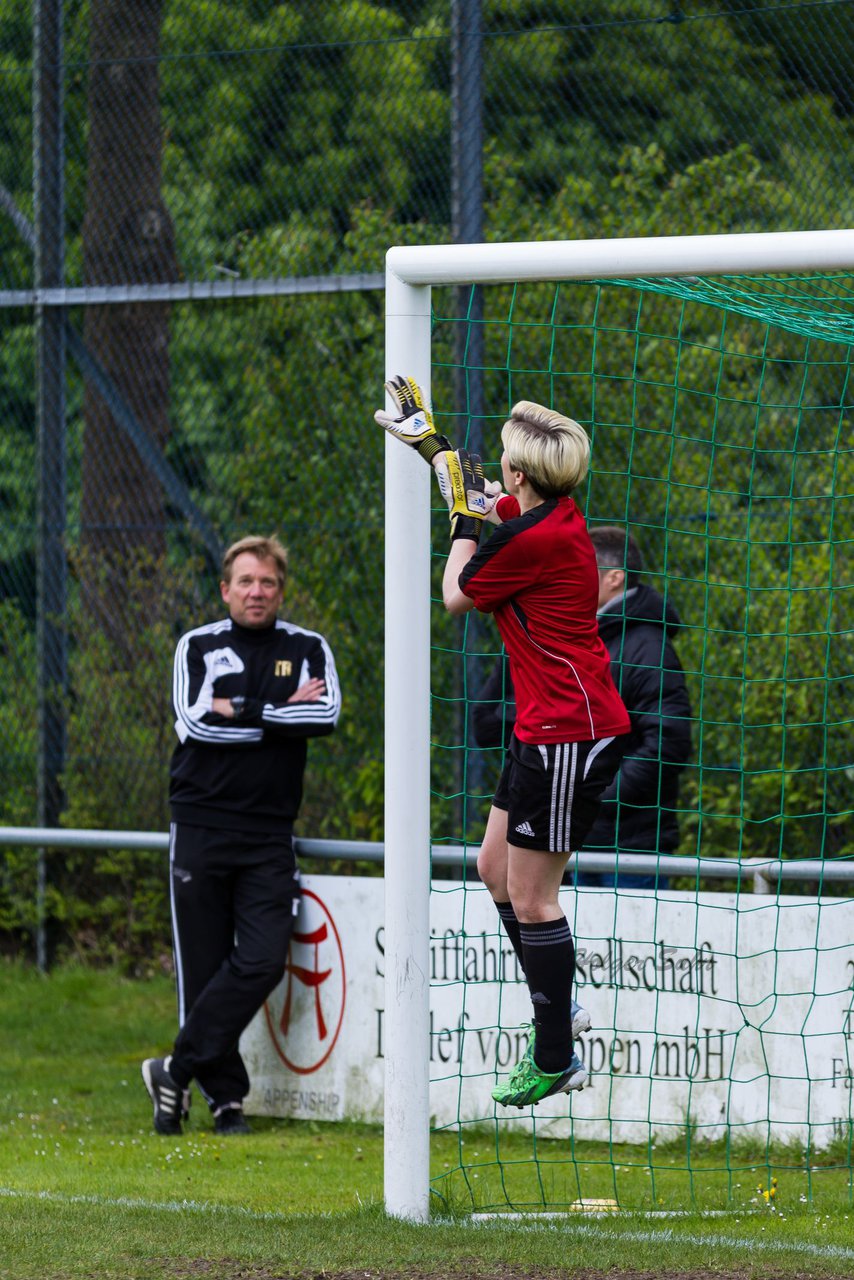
(305, 1012)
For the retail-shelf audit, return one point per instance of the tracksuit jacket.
(247, 774)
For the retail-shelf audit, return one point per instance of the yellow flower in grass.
(768, 1193)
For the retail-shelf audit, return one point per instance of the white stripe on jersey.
(189, 723)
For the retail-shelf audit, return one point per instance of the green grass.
(87, 1189)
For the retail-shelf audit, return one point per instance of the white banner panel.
(709, 1009)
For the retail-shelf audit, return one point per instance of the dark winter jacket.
(639, 809)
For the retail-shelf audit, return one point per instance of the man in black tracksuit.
(248, 692)
(639, 810)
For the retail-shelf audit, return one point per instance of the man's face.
(253, 594)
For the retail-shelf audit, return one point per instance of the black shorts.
(551, 792)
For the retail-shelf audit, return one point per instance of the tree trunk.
(128, 238)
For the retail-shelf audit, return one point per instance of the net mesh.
(720, 418)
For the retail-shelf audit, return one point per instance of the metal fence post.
(467, 228)
(49, 204)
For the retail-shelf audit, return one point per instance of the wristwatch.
(238, 707)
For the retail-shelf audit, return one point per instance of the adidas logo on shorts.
(525, 829)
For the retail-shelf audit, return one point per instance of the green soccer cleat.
(527, 1084)
(581, 1022)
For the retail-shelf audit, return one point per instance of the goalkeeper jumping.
(537, 574)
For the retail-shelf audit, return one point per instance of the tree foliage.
(302, 138)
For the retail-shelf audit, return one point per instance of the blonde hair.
(263, 549)
(552, 451)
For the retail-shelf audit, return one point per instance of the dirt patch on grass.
(232, 1269)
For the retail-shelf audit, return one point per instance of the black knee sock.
(511, 928)
(550, 968)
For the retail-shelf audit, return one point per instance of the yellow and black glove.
(414, 425)
(466, 491)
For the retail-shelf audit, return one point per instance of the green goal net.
(720, 415)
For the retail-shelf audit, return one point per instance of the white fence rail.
(764, 874)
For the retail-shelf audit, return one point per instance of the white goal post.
(410, 273)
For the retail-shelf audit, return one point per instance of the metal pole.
(49, 206)
(407, 781)
(467, 228)
(751, 252)
(467, 198)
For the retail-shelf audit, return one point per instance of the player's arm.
(471, 499)
(252, 709)
(312, 711)
(456, 601)
(197, 715)
(506, 507)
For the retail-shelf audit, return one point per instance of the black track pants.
(233, 906)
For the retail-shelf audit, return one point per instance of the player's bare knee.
(493, 875)
(530, 904)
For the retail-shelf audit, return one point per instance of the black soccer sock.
(511, 928)
(550, 968)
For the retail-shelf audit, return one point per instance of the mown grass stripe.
(575, 1228)
(669, 1236)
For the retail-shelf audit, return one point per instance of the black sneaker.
(230, 1119)
(165, 1095)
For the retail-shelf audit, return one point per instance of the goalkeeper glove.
(415, 425)
(470, 497)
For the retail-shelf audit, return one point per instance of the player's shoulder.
(207, 631)
(514, 539)
(292, 630)
(529, 524)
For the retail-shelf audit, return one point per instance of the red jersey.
(537, 574)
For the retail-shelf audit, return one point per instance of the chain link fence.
(195, 204)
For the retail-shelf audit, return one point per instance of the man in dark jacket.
(639, 811)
